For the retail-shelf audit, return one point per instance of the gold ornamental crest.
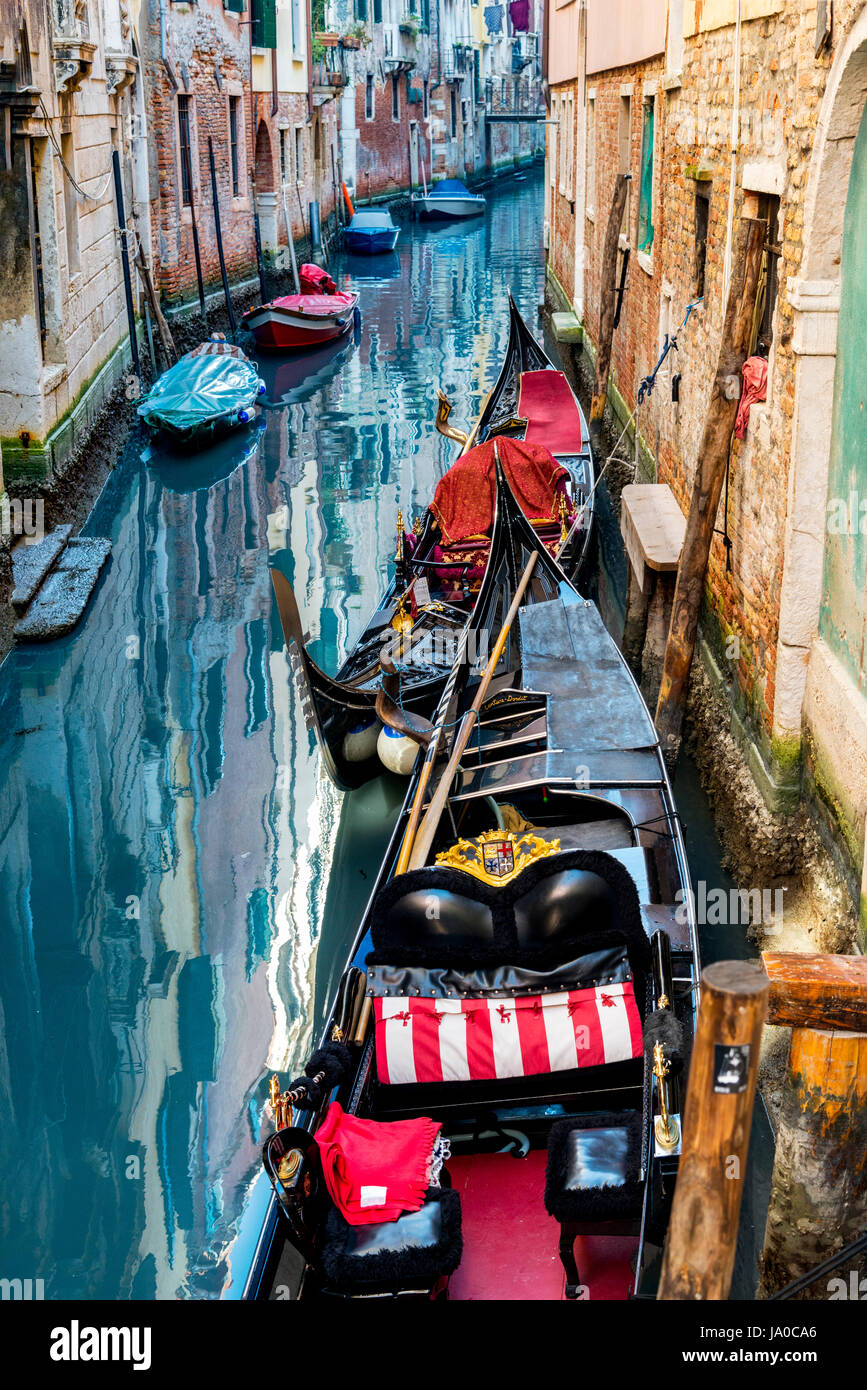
(497, 856)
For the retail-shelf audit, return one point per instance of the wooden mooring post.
(608, 309)
(707, 487)
(702, 1235)
(818, 1202)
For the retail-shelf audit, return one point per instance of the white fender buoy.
(396, 751)
(360, 743)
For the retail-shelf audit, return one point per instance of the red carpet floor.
(510, 1241)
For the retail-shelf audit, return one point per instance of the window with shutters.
(263, 23)
(361, 10)
(645, 201)
(377, 11)
(368, 97)
(235, 6)
(299, 26)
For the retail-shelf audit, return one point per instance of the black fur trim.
(608, 1203)
(394, 948)
(335, 1060)
(663, 1027)
(394, 1268)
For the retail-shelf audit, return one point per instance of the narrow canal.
(179, 884)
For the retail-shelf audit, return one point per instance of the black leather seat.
(593, 1182)
(413, 1254)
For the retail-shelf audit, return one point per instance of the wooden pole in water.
(709, 474)
(219, 235)
(818, 1201)
(700, 1246)
(291, 241)
(608, 309)
(166, 338)
(124, 258)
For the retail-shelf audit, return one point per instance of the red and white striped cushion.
(427, 1040)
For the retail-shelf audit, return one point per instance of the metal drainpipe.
(735, 144)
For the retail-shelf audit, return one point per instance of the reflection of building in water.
(150, 837)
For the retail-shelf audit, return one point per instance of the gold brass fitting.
(665, 1126)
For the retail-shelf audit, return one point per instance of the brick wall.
(782, 86)
(383, 143)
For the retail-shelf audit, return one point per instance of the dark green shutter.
(263, 18)
(236, 6)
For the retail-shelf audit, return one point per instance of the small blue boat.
(207, 393)
(371, 232)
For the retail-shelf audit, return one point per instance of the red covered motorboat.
(321, 313)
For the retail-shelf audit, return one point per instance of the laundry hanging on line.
(519, 14)
(494, 18)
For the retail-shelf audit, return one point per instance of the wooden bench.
(653, 528)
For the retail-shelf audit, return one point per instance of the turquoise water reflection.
(165, 833)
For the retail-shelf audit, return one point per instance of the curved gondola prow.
(320, 694)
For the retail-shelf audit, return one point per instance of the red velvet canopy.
(465, 498)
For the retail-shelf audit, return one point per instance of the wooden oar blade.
(287, 607)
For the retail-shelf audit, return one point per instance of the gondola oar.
(427, 830)
(219, 235)
(290, 242)
(260, 264)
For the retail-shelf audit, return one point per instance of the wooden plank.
(814, 991)
(652, 525)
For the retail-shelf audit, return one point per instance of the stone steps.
(31, 564)
(64, 590)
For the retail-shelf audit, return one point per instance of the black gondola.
(342, 710)
(524, 979)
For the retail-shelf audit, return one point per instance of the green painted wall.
(843, 622)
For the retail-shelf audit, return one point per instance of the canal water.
(179, 884)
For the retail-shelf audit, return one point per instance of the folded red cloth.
(375, 1172)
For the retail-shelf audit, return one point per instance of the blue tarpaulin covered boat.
(209, 391)
(371, 232)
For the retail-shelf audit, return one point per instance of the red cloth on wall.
(465, 498)
(375, 1171)
(755, 374)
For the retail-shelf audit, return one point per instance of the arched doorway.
(264, 161)
(266, 197)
